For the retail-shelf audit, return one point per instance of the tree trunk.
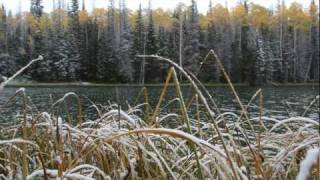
(180, 45)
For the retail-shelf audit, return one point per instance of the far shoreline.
(89, 84)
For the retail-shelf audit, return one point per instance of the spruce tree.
(8, 63)
(151, 47)
(314, 44)
(3, 30)
(209, 69)
(124, 54)
(108, 64)
(138, 44)
(37, 45)
(84, 45)
(93, 48)
(178, 33)
(74, 19)
(36, 8)
(74, 39)
(174, 35)
(164, 49)
(192, 40)
(248, 50)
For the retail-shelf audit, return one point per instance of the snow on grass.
(125, 143)
(17, 141)
(305, 167)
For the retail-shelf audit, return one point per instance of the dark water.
(279, 102)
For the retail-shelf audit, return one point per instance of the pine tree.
(15, 37)
(255, 42)
(175, 33)
(192, 40)
(178, 36)
(314, 44)
(248, 50)
(236, 57)
(262, 62)
(107, 56)
(125, 58)
(209, 69)
(151, 47)
(284, 43)
(8, 65)
(74, 19)
(138, 44)
(3, 31)
(36, 8)
(84, 43)
(62, 57)
(18, 39)
(164, 49)
(37, 45)
(75, 40)
(8, 62)
(93, 48)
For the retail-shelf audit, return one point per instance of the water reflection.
(279, 102)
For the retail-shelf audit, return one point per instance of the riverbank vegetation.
(182, 138)
(258, 45)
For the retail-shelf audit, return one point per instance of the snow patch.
(306, 165)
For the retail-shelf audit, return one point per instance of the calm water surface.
(279, 102)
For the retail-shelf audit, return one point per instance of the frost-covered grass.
(144, 142)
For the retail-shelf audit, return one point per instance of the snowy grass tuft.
(311, 159)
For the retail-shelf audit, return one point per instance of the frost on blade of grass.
(40, 173)
(7, 80)
(87, 166)
(123, 115)
(20, 90)
(17, 141)
(295, 119)
(52, 173)
(306, 165)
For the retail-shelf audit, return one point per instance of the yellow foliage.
(297, 17)
(83, 17)
(2, 12)
(204, 21)
(313, 10)
(99, 15)
(220, 14)
(259, 16)
(239, 13)
(281, 15)
(133, 16)
(162, 18)
(44, 23)
(60, 15)
(32, 22)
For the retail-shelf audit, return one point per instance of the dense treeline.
(257, 45)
